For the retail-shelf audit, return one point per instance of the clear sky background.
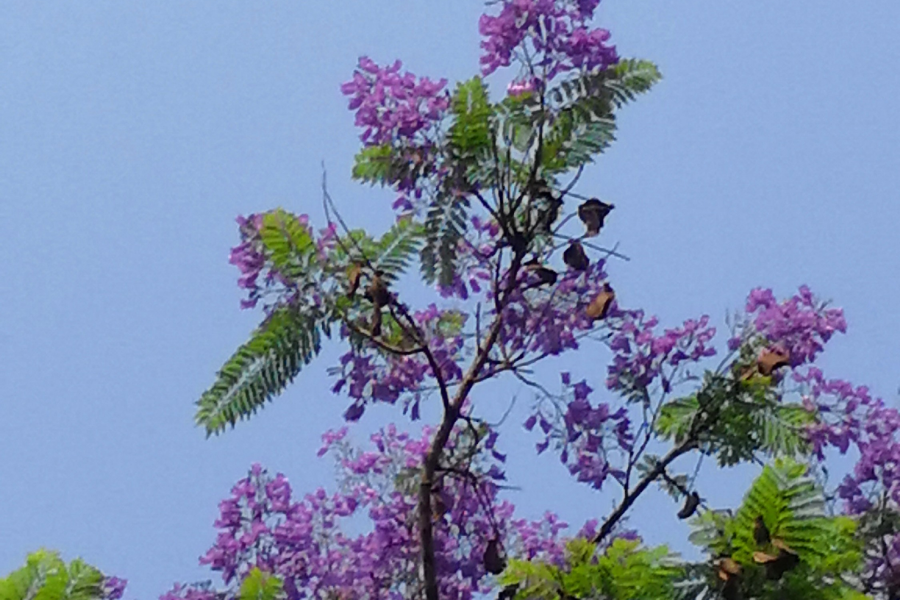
(132, 134)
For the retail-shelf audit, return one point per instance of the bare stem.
(642, 485)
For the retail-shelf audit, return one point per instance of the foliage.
(46, 576)
(622, 571)
(258, 585)
(584, 123)
(784, 509)
(748, 418)
(260, 369)
(519, 270)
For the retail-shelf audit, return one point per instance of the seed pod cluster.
(592, 213)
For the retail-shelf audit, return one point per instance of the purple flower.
(392, 106)
(553, 33)
(113, 588)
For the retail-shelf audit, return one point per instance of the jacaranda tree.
(490, 217)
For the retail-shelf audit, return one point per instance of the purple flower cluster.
(640, 355)
(371, 375)
(800, 325)
(113, 588)
(394, 106)
(848, 415)
(181, 591)
(550, 36)
(584, 434)
(301, 541)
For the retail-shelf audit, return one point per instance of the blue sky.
(132, 134)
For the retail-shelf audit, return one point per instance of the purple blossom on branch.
(641, 356)
(302, 541)
(552, 36)
(801, 325)
(394, 107)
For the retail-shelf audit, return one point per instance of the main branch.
(452, 414)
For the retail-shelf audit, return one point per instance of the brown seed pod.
(777, 564)
(575, 257)
(541, 191)
(771, 359)
(761, 533)
(493, 561)
(691, 502)
(599, 306)
(377, 291)
(592, 213)
(749, 372)
(353, 276)
(730, 572)
(728, 569)
(547, 276)
(547, 204)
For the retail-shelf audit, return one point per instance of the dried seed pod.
(599, 306)
(761, 533)
(691, 502)
(771, 359)
(547, 276)
(547, 204)
(377, 291)
(493, 561)
(550, 214)
(592, 213)
(540, 190)
(575, 257)
(730, 572)
(778, 564)
(728, 569)
(353, 276)
(748, 372)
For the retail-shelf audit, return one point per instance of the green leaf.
(258, 585)
(289, 244)
(85, 582)
(629, 78)
(793, 508)
(260, 369)
(625, 571)
(396, 248)
(45, 576)
(783, 429)
(676, 417)
(583, 122)
(385, 164)
(373, 164)
(445, 225)
(470, 132)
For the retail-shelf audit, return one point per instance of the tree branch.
(642, 485)
(451, 415)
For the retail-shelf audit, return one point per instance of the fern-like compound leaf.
(260, 369)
